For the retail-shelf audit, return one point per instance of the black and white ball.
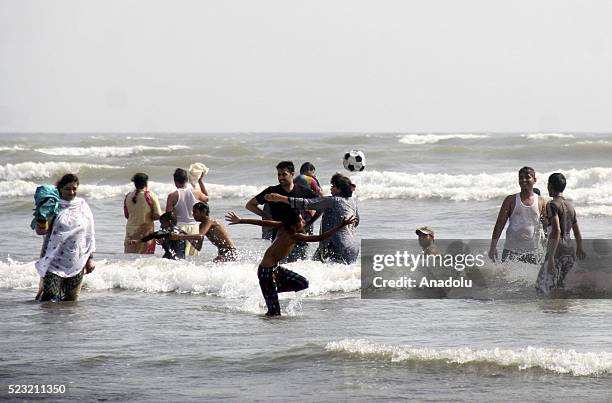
(354, 161)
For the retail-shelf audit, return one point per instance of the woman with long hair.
(141, 208)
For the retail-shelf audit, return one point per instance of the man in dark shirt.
(279, 211)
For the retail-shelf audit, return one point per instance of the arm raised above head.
(203, 196)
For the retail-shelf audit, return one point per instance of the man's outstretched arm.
(233, 219)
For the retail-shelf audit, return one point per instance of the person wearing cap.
(523, 212)
(426, 240)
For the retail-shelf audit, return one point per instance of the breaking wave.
(21, 188)
(106, 151)
(435, 138)
(590, 189)
(34, 170)
(553, 360)
(591, 186)
(228, 280)
(547, 136)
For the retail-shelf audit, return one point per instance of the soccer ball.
(354, 160)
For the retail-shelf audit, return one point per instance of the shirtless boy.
(272, 277)
(215, 232)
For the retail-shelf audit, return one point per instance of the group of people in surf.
(535, 225)
(290, 210)
(533, 221)
(292, 207)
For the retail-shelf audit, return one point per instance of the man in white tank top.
(181, 201)
(523, 211)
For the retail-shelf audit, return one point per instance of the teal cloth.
(47, 200)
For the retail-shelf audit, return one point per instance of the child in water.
(272, 277)
(172, 239)
(215, 232)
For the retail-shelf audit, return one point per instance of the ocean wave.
(589, 142)
(594, 211)
(592, 186)
(547, 136)
(106, 151)
(33, 170)
(21, 188)
(415, 139)
(590, 189)
(235, 280)
(17, 188)
(554, 360)
(13, 148)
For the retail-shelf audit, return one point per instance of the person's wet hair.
(557, 182)
(66, 179)
(290, 219)
(527, 170)
(343, 184)
(286, 165)
(306, 167)
(168, 216)
(180, 176)
(140, 182)
(202, 208)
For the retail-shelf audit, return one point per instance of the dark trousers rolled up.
(273, 280)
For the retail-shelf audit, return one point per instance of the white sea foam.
(13, 148)
(592, 186)
(547, 136)
(589, 142)
(236, 280)
(106, 151)
(21, 188)
(17, 188)
(398, 185)
(33, 170)
(435, 138)
(554, 360)
(594, 211)
(590, 189)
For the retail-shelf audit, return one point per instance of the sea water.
(148, 329)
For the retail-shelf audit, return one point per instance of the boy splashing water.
(272, 277)
(215, 232)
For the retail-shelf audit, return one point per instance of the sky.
(409, 66)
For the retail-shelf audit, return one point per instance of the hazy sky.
(267, 65)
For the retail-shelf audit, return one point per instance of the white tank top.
(523, 231)
(184, 206)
